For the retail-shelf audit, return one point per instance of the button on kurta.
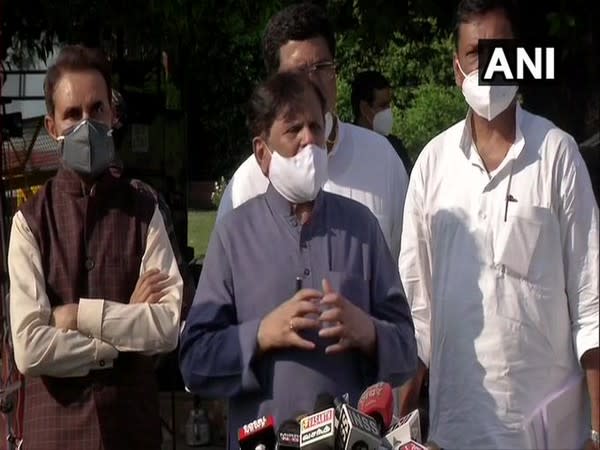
(89, 264)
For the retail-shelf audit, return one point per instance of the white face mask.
(486, 101)
(299, 178)
(383, 121)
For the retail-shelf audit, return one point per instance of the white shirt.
(503, 308)
(362, 166)
(105, 327)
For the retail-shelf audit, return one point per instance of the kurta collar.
(338, 139)
(468, 147)
(280, 205)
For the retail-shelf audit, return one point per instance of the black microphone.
(324, 401)
(317, 430)
(288, 435)
(355, 431)
(258, 434)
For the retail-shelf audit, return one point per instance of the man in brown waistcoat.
(95, 289)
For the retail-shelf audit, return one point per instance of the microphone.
(356, 431)
(258, 434)
(377, 401)
(288, 435)
(407, 429)
(317, 430)
(324, 401)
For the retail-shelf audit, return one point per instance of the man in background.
(362, 165)
(371, 100)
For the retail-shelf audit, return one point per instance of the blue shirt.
(254, 256)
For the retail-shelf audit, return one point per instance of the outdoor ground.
(200, 225)
(181, 407)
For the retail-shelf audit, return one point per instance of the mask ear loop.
(91, 124)
(463, 72)
(61, 142)
(269, 149)
(460, 68)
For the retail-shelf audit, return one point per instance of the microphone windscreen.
(377, 401)
(323, 401)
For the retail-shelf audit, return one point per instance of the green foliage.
(426, 100)
(215, 48)
(433, 109)
(344, 107)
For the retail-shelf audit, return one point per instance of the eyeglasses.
(325, 68)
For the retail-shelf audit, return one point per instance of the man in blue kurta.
(299, 294)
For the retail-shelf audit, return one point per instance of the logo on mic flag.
(254, 426)
(317, 426)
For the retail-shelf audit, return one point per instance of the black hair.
(283, 92)
(297, 22)
(364, 86)
(75, 58)
(468, 8)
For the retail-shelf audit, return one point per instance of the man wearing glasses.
(362, 165)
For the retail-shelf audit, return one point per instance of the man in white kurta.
(500, 265)
(504, 298)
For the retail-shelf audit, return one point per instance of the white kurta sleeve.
(578, 217)
(226, 203)
(399, 178)
(415, 263)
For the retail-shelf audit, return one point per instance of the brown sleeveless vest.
(91, 246)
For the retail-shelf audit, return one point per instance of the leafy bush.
(426, 101)
(343, 105)
(433, 109)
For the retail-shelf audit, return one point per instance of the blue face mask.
(88, 148)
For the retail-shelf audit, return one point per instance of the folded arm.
(141, 327)
(40, 348)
